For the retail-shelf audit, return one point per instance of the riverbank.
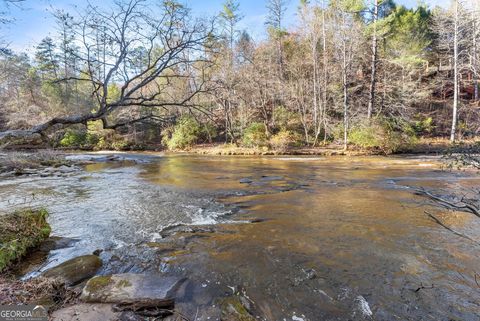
(14, 157)
(427, 146)
(47, 162)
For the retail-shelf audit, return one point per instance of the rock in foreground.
(75, 270)
(86, 312)
(141, 289)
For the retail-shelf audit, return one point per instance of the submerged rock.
(75, 270)
(131, 288)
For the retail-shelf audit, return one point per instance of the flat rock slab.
(141, 289)
(75, 270)
(86, 312)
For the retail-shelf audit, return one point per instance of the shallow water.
(335, 237)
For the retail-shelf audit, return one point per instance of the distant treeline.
(368, 73)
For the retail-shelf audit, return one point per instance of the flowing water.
(303, 238)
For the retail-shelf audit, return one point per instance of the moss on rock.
(233, 310)
(98, 283)
(19, 232)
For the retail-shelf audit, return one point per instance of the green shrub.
(73, 138)
(184, 134)
(286, 119)
(423, 126)
(120, 145)
(383, 134)
(208, 132)
(284, 139)
(366, 136)
(79, 139)
(255, 136)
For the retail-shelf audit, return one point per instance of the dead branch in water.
(421, 287)
(439, 222)
(464, 205)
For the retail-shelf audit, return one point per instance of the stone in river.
(245, 181)
(362, 309)
(128, 288)
(75, 270)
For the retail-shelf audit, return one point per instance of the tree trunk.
(371, 99)
(474, 62)
(315, 90)
(345, 97)
(455, 76)
(325, 76)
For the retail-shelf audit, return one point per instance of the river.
(304, 238)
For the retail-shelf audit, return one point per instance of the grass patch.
(20, 232)
(48, 292)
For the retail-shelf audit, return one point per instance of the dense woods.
(371, 74)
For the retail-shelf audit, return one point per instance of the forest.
(357, 74)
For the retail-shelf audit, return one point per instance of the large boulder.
(140, 289)
(75, 270)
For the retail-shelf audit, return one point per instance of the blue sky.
(34, 20)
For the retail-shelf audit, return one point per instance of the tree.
(402, 70)
(47, 58)
(172, 73)
(275, 16)
(230, 17)
(348, 31)
(313, 28)
(453, 30)
(456, 23)
(371, 98)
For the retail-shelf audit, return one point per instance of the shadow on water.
(330, 236)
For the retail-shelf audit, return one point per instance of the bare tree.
(455, 70)
(371, 98)
(453, 28)
(348, 36)
(230, 17)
